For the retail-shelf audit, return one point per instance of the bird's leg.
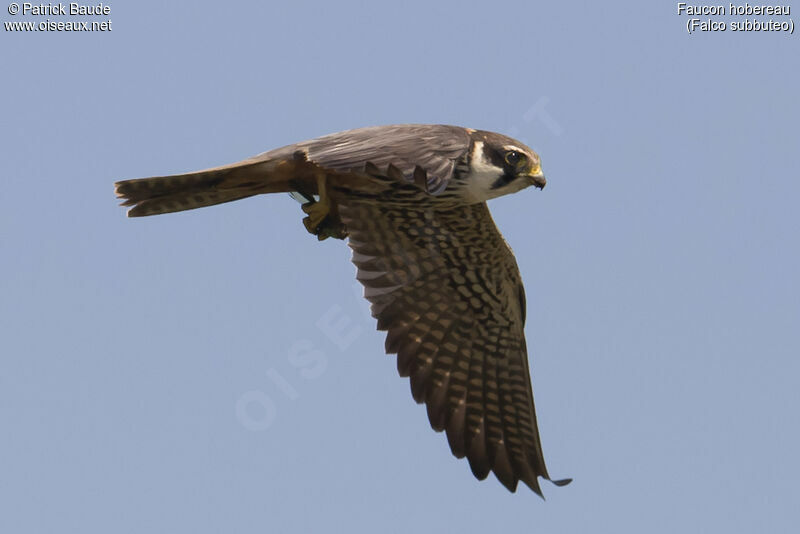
(318, 210)
(323, 217)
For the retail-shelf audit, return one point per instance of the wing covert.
(405, 150)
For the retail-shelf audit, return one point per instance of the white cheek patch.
(482, 175)
(480, 165)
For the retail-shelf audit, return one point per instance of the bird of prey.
(441, 280)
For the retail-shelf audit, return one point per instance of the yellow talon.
(319, 210)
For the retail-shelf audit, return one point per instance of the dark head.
(500, 165)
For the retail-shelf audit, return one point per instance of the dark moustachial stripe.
(504, 180)
(494, 153)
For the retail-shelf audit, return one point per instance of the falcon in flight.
(442, 281)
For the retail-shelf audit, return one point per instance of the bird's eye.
(514, 158)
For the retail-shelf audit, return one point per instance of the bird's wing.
(413, 152)
(420, 153)
(446, 288)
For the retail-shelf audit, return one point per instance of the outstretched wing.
(445, 286)
(413, 151)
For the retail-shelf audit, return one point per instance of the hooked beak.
(537, 178)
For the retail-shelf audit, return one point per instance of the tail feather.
(167, 194)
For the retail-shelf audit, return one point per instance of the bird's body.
(442, 281)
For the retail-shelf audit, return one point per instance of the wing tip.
(534, 485)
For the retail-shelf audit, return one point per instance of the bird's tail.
(166, 194)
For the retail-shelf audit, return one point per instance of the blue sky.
(152, 377)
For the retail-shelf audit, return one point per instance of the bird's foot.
(321, 222)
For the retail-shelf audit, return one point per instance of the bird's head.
(499, 165)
